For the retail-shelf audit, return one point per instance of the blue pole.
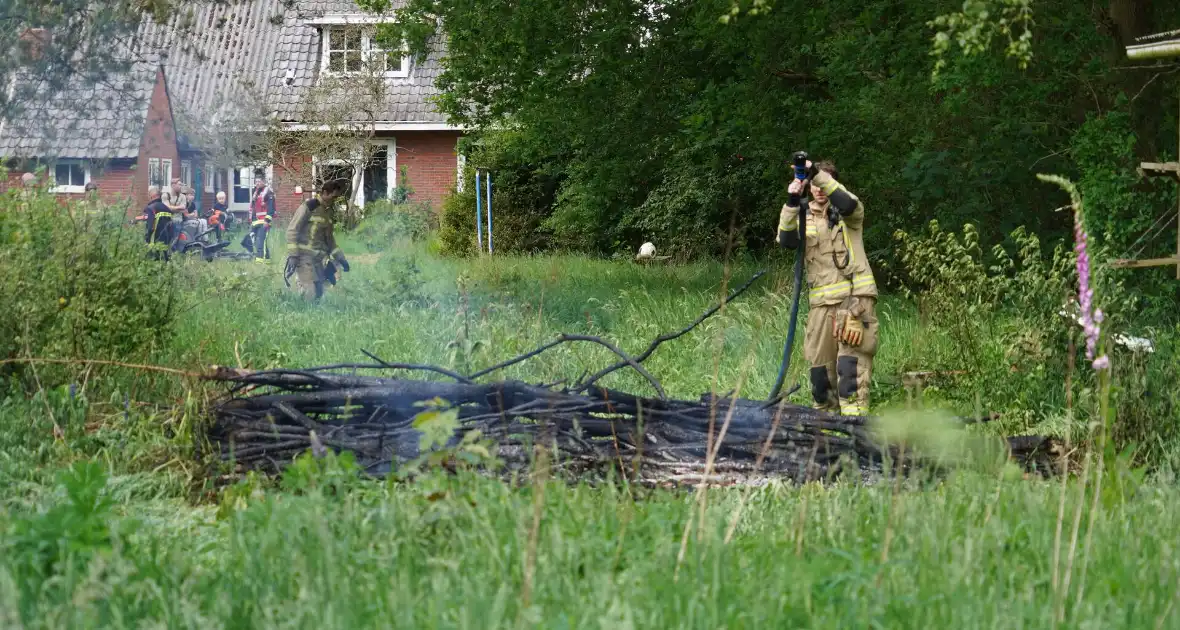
(478, 212)
(489, 212)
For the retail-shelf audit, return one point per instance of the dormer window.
(343, 44)
(350, 48)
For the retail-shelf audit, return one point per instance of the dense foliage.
(663, 122)
(76, 283)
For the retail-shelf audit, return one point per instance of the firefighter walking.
(262, 214)
(312, 254)
(841, 337)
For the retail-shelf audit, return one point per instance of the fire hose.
(800, 163)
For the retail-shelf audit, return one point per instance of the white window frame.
(166, 171)
(154, 172)
(69, 188)
(358, 183)
(186, 173)
(247, 173)
(207, 177)
(368, 47)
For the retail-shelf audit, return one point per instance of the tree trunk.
(1132, 19)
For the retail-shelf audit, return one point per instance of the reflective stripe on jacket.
(837, 266)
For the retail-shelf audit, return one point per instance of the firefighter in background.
(262, 214)
(841, 338)
(158, 225)
(312, 254)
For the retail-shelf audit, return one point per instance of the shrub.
(456, 233)
(1003, 317)
(521, 202)
(1001, 313)
(75, 282)
(386, 221)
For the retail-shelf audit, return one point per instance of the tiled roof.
(218, 56)
(238, 55)
(223, 61)
(404, 99)
(103, 121)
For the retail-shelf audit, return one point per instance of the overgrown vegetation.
(76, 285)
(664, 122)
(104, 492)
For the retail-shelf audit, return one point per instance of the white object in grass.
(647, 251)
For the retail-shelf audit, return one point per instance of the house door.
(242, 180)
(376, 180)
(243, 184)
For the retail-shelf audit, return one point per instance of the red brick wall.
(294, 169)
(115, 179)
(116, 182)
(428, 158)
(430, 162)
(159, 140)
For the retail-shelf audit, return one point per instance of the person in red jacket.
(262, 214)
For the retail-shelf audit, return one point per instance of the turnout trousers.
(309, 274)
(260, 232)
(160, 238)
(840, 373)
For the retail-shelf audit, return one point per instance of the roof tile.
(237, 57)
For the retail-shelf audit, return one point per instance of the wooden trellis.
(1159, 46)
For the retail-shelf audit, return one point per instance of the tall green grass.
(406, 304)
(132, 534)
(467, 552)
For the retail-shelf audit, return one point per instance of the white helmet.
(646, 251)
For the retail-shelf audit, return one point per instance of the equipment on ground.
(190, 239)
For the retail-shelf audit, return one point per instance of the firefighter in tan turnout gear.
(841, 337)
(312, 254)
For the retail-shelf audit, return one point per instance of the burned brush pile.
(270, 417)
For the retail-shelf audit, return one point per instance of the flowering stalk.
(1091, 317)
(1091, 322)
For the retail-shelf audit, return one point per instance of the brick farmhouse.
(165, 117)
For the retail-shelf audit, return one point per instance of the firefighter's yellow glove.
(853, 332)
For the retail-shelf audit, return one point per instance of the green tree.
(666, 122)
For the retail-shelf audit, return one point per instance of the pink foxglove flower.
(1091, 318)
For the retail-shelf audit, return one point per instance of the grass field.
(112, 525)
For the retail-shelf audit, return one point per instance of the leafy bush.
(1001, 313)
(1011, 331)
(523, 197)
(457, 230)
(75, 282)
(386, 221)
(1128, 214)
(63, 540)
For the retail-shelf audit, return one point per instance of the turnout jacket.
(152, 213)
(310, 231)
(262, 206)
(834, 253)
